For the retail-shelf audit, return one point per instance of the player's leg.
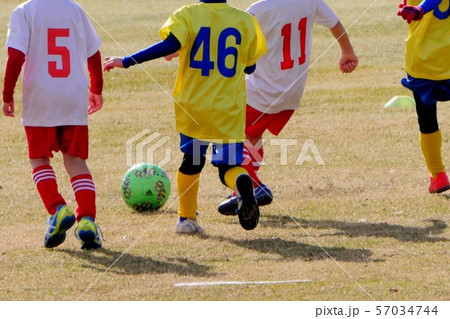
(431, 142)
(85, 195)
(188, 181)
(253, 159)
(44, 178)
(82, 185)
(74, 141)
(41, 142)
(228, 159)
(256, 124)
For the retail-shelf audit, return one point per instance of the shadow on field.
(293, 250)
(358, 229)
(106, 259)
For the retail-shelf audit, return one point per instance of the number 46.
(286, 32)
(223, 51)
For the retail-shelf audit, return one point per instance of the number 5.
(64, 52)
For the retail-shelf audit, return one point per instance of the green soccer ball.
(145, 187)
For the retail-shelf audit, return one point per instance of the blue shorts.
(228, 154)
(430, 91)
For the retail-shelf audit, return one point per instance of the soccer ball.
(145, 187)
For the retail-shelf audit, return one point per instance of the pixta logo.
(148, 147)
(155, 148)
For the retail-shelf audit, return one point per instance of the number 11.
(287, 62)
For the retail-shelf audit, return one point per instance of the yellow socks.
(188, 185)
(187, 194)
(232, 174)
(431, 149)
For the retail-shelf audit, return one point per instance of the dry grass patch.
(361, 226)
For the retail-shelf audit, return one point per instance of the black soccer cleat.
(248, 210)
(229, 206)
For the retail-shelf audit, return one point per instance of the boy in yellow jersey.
(427, 64)
(217, 45)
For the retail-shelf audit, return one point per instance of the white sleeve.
(254, 8)
(324, 15)
(93, 41)
(18, 31)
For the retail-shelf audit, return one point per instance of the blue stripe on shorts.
(429, 91)
(222, 153)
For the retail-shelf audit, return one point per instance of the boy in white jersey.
(59, 45)
(274, 90)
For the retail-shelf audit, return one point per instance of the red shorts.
(257, 122)
(71, 139)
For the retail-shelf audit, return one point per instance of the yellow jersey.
(217, 43)
(428, 44)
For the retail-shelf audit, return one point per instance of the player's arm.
(348, 61)
(163, 48)
(14, 64)
(415, 13)
(96, 76)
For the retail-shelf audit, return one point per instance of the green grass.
(361, 226)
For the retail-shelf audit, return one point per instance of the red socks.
(253, 158)
(45, 179)
(84, 188)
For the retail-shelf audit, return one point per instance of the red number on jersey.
(64, 52)
(287, 62)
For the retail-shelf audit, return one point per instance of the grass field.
(361, 227)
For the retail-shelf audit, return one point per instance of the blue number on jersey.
(224, 51)
(203, 37)
(205, 64)
(441, 15)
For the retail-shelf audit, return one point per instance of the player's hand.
(171, 56)
(410, 13)
(95, 102)
(8, 108)
(348, 62)
(401, 5)
(112, 62)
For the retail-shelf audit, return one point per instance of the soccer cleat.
(248, 210)
(439, 184)
(263, 196)
(89, 233)
(229, 206)
(57, 225)
(187, 226)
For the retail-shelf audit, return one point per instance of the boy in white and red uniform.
(274, 90)
(57, 45)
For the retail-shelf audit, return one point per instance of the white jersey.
(280, 76)
(57, 39)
